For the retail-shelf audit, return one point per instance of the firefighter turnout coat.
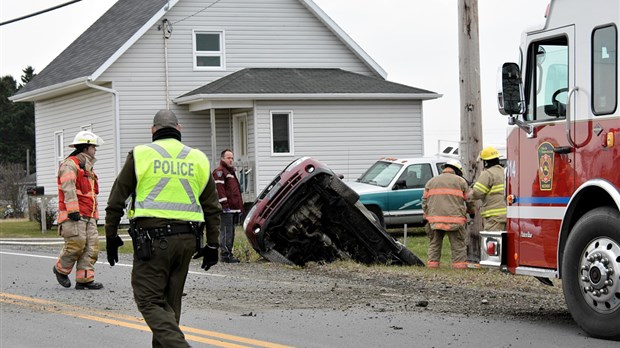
(489, 188)
(445, 202)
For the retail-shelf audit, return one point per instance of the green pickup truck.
(392, 188)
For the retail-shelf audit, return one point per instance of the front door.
(544, 160)
(245, 172)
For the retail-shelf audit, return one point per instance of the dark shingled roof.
(301, 81)
(97, 44)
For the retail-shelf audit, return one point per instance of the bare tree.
(11, 190)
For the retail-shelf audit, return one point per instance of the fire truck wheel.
(591, 273)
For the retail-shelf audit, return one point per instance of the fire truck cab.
(563, 161)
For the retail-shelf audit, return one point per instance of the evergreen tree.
(16, 123)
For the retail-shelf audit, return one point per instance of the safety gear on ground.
(455, 164)
(89, 286)
(111, 247)
(62, 279)
(86, 137)
(209, 254)
(75, 216)
(489, 153)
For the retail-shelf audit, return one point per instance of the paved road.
(36, 311)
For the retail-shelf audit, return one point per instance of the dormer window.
(209, 50)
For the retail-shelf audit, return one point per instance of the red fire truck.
(563, 161)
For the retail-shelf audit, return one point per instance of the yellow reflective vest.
(171, 177)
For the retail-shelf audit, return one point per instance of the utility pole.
(471, 115)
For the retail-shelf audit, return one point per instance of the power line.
(40, 12)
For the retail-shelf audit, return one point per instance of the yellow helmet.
(488, 153)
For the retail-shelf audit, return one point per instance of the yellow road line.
(131, 322)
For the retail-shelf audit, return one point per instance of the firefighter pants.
(227, 233)
(81, 249)
(457, 244)
(158, 287)
(493, 224)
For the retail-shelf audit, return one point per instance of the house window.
(604, 70)
(58, 148)
(208, 50)
(281, 133)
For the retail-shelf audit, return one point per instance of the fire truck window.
(604, 70)
(547, 79)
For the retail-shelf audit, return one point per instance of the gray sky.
(414, 41)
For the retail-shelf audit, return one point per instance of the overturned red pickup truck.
(307, 214)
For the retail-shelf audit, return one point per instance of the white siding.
(258, 34)
(68, 114)
(348, 136)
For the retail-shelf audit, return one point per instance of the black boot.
(63, 279)
(89, 286)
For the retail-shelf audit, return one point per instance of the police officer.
(78, 212)
(172, 197)
(445, 203)
(489, 188)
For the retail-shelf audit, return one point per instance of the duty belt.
(170, 230)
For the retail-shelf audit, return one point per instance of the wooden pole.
(471, 115)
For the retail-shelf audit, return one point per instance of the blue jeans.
(227, 233)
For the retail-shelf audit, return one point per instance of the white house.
(274, 80)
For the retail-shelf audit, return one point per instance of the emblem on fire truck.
(545, 166)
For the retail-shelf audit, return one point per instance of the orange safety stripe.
(444, 227)
(68, 176)
(459, 265)
(432, 264)
(447, 219)
(61, 270)
(444, 191)
(85, 274)
(73, 206)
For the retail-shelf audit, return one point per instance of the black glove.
(472, 215)
(75, 216)
(111, 247)
(210, 254)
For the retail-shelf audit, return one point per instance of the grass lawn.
(417, 241)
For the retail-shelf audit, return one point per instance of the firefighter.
(173, 198)
(77, 214)
(489, 188)
(445, 205)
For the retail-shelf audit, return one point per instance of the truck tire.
(378, 213)
(592, 250)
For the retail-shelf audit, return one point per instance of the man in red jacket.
(78, 213)
(229, 192)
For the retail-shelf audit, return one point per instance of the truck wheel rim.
(599, 272)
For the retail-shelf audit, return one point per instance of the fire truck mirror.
(35, 191)
(510, 97)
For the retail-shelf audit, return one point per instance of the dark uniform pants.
(158, 287)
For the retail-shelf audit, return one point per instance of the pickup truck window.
(381, 173)
(416, 176)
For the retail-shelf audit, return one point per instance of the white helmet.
(86, 137)
(454, 163)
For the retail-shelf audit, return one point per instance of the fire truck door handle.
(569, 136)
(562, 149)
